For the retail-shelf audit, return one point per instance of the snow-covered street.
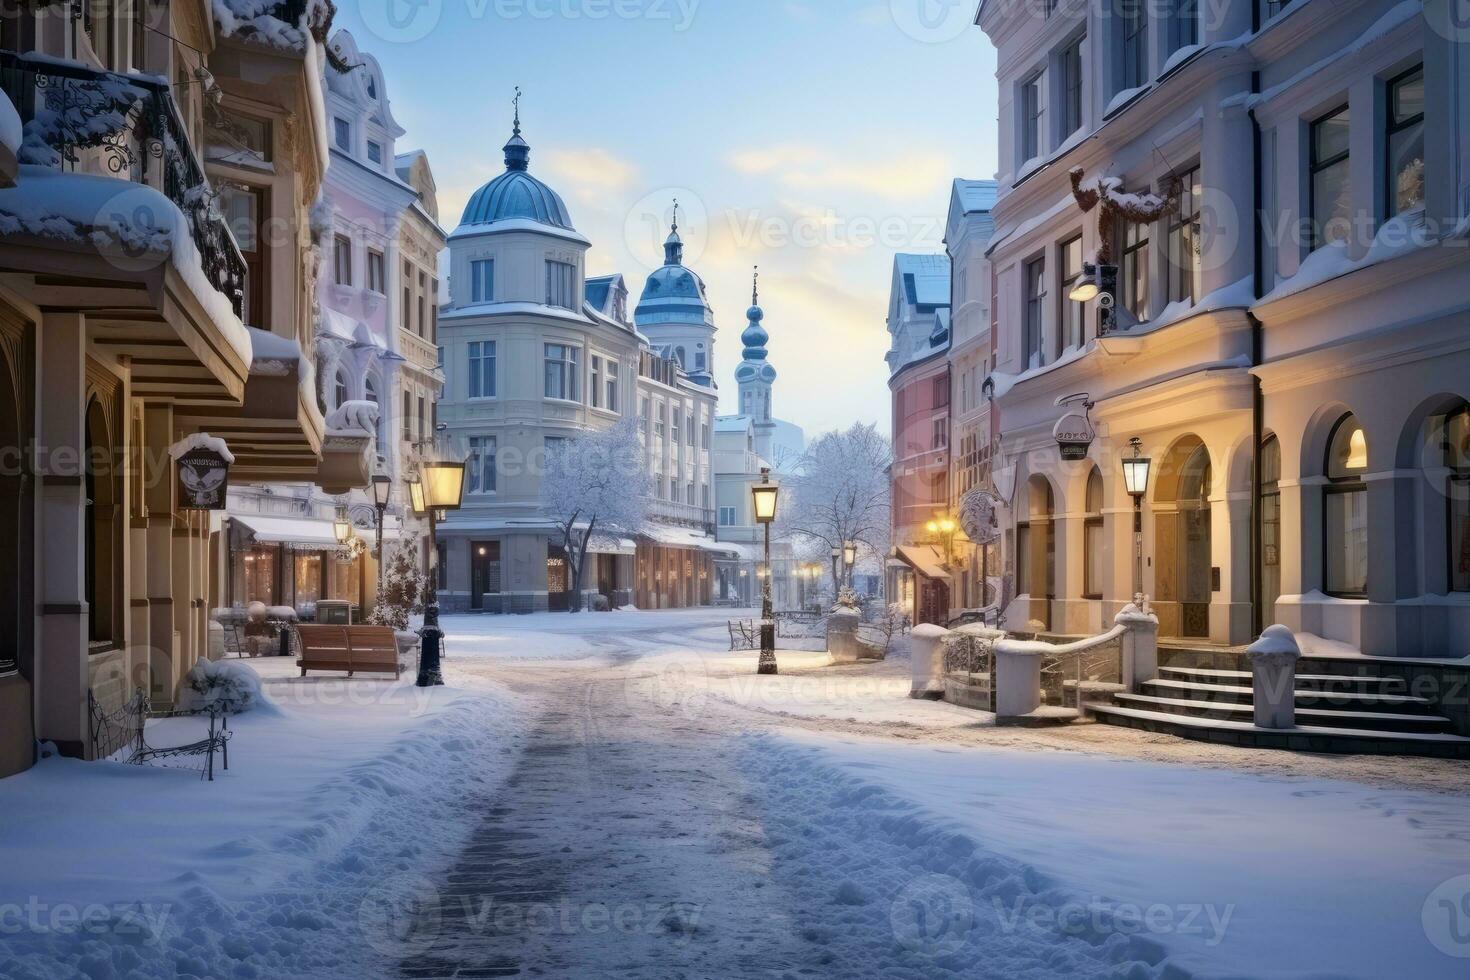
(616, 795)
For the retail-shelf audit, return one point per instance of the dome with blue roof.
(515, 194)
(674, 293)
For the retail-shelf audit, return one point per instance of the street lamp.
(849, 558)
(342, 527)
(764, 495)
(943, 529)
(439, 488)
(1135, 479)
(382, 495)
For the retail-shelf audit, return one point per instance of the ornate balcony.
(132, 127)
(686, 515)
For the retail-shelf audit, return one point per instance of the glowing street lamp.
(1135, 479)
(439, 488)
(342, 527)
(764, 496)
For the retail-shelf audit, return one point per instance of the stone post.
(1017, 678)
(842, 638)
(1140, 646)
(1273, 676)
(926, 653)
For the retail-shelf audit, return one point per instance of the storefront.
(296, 563)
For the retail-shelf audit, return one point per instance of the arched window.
(1456, 442)
(1270, 528)
(1345, 507)
(1092, 539)
(340, 394)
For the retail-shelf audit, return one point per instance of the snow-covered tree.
(404, 585)
(594, 482)
(840, 492)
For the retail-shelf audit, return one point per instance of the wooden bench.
(354, 649)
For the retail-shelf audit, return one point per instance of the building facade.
(375, 337)
(139, 322)
(918, 575)
(1284, 196)
(535, 352)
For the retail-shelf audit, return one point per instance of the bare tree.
(594, 481)
(841, 492)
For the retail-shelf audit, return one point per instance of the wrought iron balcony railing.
(130, 123)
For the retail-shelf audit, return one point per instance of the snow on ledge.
(131, 224)
(202, 440)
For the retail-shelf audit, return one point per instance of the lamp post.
(849, 559)
(342, 527)
(438, 488)
(764, 496)
(382, 495)
(1135, 478)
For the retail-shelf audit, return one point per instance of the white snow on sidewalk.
(113, 870)
(1220, 874)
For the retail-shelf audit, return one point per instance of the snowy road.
(618, 796)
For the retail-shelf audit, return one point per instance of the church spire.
(674, 245)
(517, 151)
(755, 288)
(755, 337)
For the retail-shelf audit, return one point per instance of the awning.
(297, 532)
(683, 537)
(922, 558)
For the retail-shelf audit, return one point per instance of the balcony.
(131, 127)
(685, 515)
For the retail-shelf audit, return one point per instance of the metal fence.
(969, 658)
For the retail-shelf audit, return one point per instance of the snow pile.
(202, 440)
(1397, 237)
(353, 418)
(275, 869)
(1394, 18)
(256, 20)
(11, 131)
(232, 682)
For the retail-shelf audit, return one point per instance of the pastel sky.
(812, 138)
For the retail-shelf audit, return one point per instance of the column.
(61, 655)
(158, 424)
(1389, 629)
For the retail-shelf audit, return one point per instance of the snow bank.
(1234, 870)
(270, 870)
(11, 131)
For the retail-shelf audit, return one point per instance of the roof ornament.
(676, 215)
(517, 151)
(517, 103)
(755, 289)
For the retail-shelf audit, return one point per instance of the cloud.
(591, 169)
(914, 175)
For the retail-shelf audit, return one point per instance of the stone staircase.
(1341, 707)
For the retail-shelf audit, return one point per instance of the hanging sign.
(977, 516)
(1074, 432)
(202, 464)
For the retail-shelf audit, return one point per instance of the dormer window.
(342, 134)
(375, 152)
(372, 87)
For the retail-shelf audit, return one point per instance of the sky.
(814, 138)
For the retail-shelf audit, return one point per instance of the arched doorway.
(17, 516)
(1183, 540)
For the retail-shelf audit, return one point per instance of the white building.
(1291, 346)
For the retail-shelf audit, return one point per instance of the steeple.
(755, 337)
(517, 151)
(674, 245)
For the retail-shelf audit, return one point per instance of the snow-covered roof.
(976, 195)
(733, 423)
(925, 278)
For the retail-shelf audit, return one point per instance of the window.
(481, 476)
(1069, 66)
(1135, 269)
(482, 369)
(1134, 49)
(704, 435)
(689, 430)
(243, 208)
(1035, 273)
(941, 391)
(689, 495)
(339, 389)
(376, 274)
(562, 376)
(482, 281)
(611, 383)
(423, 295)
(701, 361)
(407, 417)
(1185, 271)
(941, 433)
(595, 387)
(406, 312)
(1331, 191)
(1031, 119)
(561, 281)
(342, 134)
(1270, 528)
(674, 427)
(1073, 313)
(433, 331)
(1274, 7)
(375, 152)
(239, 140)
(342, 260)
(1184, 27)
(1093, 553)
(727, 517)
(1346, 509)
(1406, 142)
(659, 424)
(423, 420)
(1456, 442)
(679, 356)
